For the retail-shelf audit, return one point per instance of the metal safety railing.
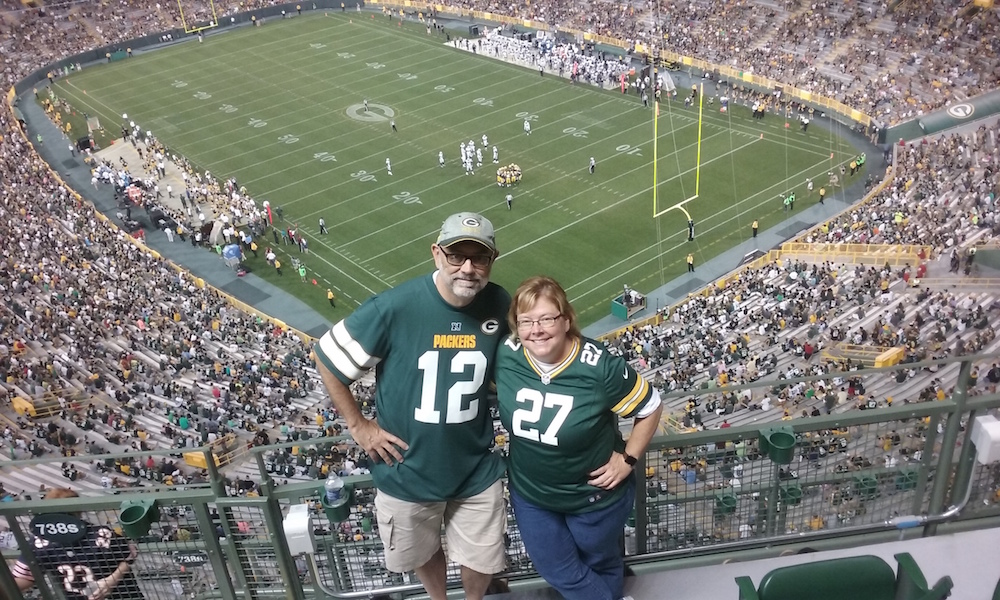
(762, 481)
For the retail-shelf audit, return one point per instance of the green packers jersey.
(565, 424)
(433, 365)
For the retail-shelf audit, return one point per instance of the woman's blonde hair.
(534, 289)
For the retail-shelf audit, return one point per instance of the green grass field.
(277, 107)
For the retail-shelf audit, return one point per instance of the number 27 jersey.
(565, 424)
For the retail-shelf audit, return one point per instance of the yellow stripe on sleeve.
(633, 399)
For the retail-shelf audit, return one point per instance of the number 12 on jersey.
(428, 364)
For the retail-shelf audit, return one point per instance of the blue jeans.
(579, 555)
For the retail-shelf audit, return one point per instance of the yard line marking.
(562, 202)
(681, 234)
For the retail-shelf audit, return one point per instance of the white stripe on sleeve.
(651, 405)
(346, 353)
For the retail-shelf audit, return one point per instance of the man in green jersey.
(570, 472)
(432, 341)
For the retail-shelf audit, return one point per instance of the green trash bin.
(866, 487)
(137, 517)
(791, 495)
(778, 443)
(907, 480)
(725, 504)
(340, 510)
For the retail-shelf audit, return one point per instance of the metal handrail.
(946, 473)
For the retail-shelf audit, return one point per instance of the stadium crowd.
(87, 311)
(943, 194)
(777, 317)
(124, 350)
(202, 197)
(892, 66)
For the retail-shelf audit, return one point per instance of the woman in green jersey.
(571, 476)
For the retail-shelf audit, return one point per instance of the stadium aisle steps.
(216, 348)
(884, 24)
(840, 48)
(152, 421)
(28, 480)
(242, 469)
(781, 15)
(875, 311)
(51, 475)
(98, 434)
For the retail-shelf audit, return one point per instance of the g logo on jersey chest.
(490, 326)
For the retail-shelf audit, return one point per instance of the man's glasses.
(480, 261)
(544, 322)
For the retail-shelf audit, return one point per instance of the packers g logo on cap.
(470, 222)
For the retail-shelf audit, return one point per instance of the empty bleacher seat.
(851, 578)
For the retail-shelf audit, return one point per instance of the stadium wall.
(960, 113)
(988, 257)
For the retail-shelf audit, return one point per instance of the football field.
(280, 107)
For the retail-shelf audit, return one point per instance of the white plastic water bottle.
(334, 484)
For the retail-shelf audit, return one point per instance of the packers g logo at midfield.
(377, 113)
(961, 111)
